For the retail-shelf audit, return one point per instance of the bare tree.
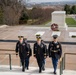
(12, 11)
(40, 14)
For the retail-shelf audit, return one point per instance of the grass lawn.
(47, 22)
(71, 22)
(30, 21)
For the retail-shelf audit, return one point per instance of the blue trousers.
(44, 61)
(54, 62)
(27, 62)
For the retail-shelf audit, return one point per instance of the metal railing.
(61, 66)
(9, 56)
(62, 63)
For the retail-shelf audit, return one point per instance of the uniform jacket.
(23, 49)
(39, 50)
(55, 50)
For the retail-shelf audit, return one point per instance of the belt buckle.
(54, 50)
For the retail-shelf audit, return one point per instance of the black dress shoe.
(27, 68)
(54, 72)
(43, 68)
(23, 69)
(40, 71)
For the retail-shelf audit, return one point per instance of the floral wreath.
(54, 27)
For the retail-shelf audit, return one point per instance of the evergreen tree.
(73, 10)
(67, 9)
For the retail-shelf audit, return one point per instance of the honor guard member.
(29, 54)
(55, 51)
(22, 49)
(39, 52)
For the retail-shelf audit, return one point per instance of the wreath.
(54, 27)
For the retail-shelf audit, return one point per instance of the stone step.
(69, 72)
(16, 70)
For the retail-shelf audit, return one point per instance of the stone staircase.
(16, 70)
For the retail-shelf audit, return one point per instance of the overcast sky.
(48, 0)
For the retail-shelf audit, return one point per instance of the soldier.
(22, 48)
(39, 52)
(55, 51)
(29, 54)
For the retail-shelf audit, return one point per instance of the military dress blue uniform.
(39, 52)
(23, 50)
(55, 52)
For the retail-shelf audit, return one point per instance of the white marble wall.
(58, 17)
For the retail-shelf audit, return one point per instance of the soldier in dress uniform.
(29, 54)
(39, 52)
(55, 51)
(22, 49)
